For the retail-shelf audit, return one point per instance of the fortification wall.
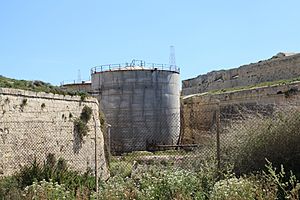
(278, 68)
(33, 125)
(82, 87)
(199, 110)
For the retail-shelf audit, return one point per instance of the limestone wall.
(279, 67)
(83, 87)
(32, 125)
(198, 117)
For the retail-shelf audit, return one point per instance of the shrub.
(233, 189)
(268, 184)
(287, 185)
(29, 174)
(9, 188)
(120, 168)
(46, 190)
(117, 188)
(80, 124)
(86, 114)
(39, 86)
(170, 184)
(244, 188)
(152, 182)
(51, 180)
(274, 138)
(23, 104)
(81, 128)
(83, 95)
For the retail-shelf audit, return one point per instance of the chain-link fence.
(240, 137)
(34, 140)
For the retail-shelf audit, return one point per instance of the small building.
(84, 86)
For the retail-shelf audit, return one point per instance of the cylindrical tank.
(142, 105)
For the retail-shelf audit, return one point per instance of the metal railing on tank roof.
(135, 65)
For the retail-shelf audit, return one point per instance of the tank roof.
(134, 65)
(129, 68)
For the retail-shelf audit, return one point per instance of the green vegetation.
(38, 86)
(104, 129)
(249, 87)
(245, 175)
(81, 128)
(275, 138)
(6, 101)
(23, 104)
(163, 182)
(252, 169)
(80, 124)
(46, 190)
(86, 114)
(52, 180)
(43, 105)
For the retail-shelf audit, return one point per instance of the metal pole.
(218, 137)
(108, 139)
(96, 158)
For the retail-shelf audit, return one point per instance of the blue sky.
(51, 40)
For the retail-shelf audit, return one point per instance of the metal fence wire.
(241, 136)
(22, 143)
(236, 136)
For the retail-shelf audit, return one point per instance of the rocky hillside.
(36, 86)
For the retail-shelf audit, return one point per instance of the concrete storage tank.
(141, 102)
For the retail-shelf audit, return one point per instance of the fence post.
(218, 116)
(108, 139)
(96, 158)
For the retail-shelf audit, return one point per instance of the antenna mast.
(172, 60)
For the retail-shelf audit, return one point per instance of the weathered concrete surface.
(199, 110)
(281, 66)
(142, 106)
(33, 125)
(82, 87)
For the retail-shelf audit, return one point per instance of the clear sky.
(51, 40)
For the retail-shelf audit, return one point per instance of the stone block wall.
(277, 68)
(198, 111)
(33, 125)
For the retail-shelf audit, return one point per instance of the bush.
(86, 114)
(151, 182)
(269, 184)
(233, 188)
(9, 188)
(171, 184)
(80, 124)
(39, 86)
(287, 185)
(51, 180)
(54, 180)
(274, 138)
(120, 168)
(46, 190)
(81, 128)
(29, 174)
